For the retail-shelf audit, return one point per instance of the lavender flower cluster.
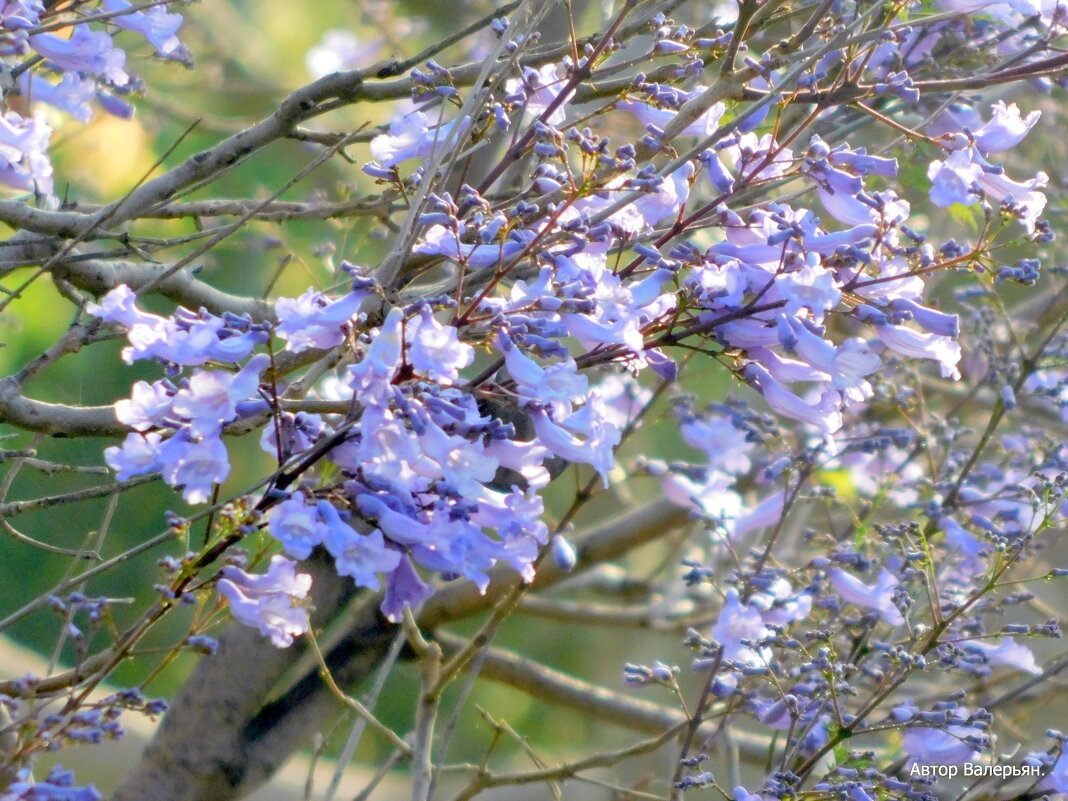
(89, 68)
(416, 460)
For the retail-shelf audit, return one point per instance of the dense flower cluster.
(69, 73)
(425, 477)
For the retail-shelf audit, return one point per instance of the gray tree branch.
(217, 763)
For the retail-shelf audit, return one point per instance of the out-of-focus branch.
(644, 616)
(64, 224)
(201, 753)
(55, 418)
(277, 211)
(13, 508)
(293, 718)
(100, 276)
(563, 690)
(485, 779)
(560, 689)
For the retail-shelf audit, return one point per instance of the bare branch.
(99, 276)
(55, 418)
(236, 762)
(562, 690)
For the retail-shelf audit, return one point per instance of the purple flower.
(917, 345)
(721, 180)
(85, 51)
(297, 526)
(940, 747)
(541, 87)
(749, 333)
(361, 556)
(725, 444)
(825, 414)
(845, 208)
(120, 306)
(558, 385)
(269, 602)
(766, 513)
(564, 554)
(626, 219)
(903, 712)
(434, 349)
(621, 311)
(624, 399)
(297, 432)
(845, 365)
(24, 162)
(864, 164)
(185, 338)
(18, 14)
(1005, 130)
(195, 465)
(826, 244)
(520, 553)
(1024, 197)
(751, 152)
(1057, 778)
(780, 605)
(952, 180)
(704, 126)
(1006, 652)
(463, 464)
(59, 786)
(601, 437)
(72, 94)
(404, 589)
(738, 622)
(787, 371)
(440, 241)
(211, 397)
(717, 285)
(402, 528)
(898, 282)
(370, 379)
(932, 320)
(138, 454)
(712, 495)
(460, 549)
(156, 24)
(410, 136)
(812, 287)
(878, 596)
(832, 179)
(963, 542)
(669, 198)
(339, 50)
(312, 321)
(513, 515)
(386, 445)
(147, 407)
(525, 458)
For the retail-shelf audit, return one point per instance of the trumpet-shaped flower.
(879, 596)
(156, 24)
(86, 50)
(269, 602)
